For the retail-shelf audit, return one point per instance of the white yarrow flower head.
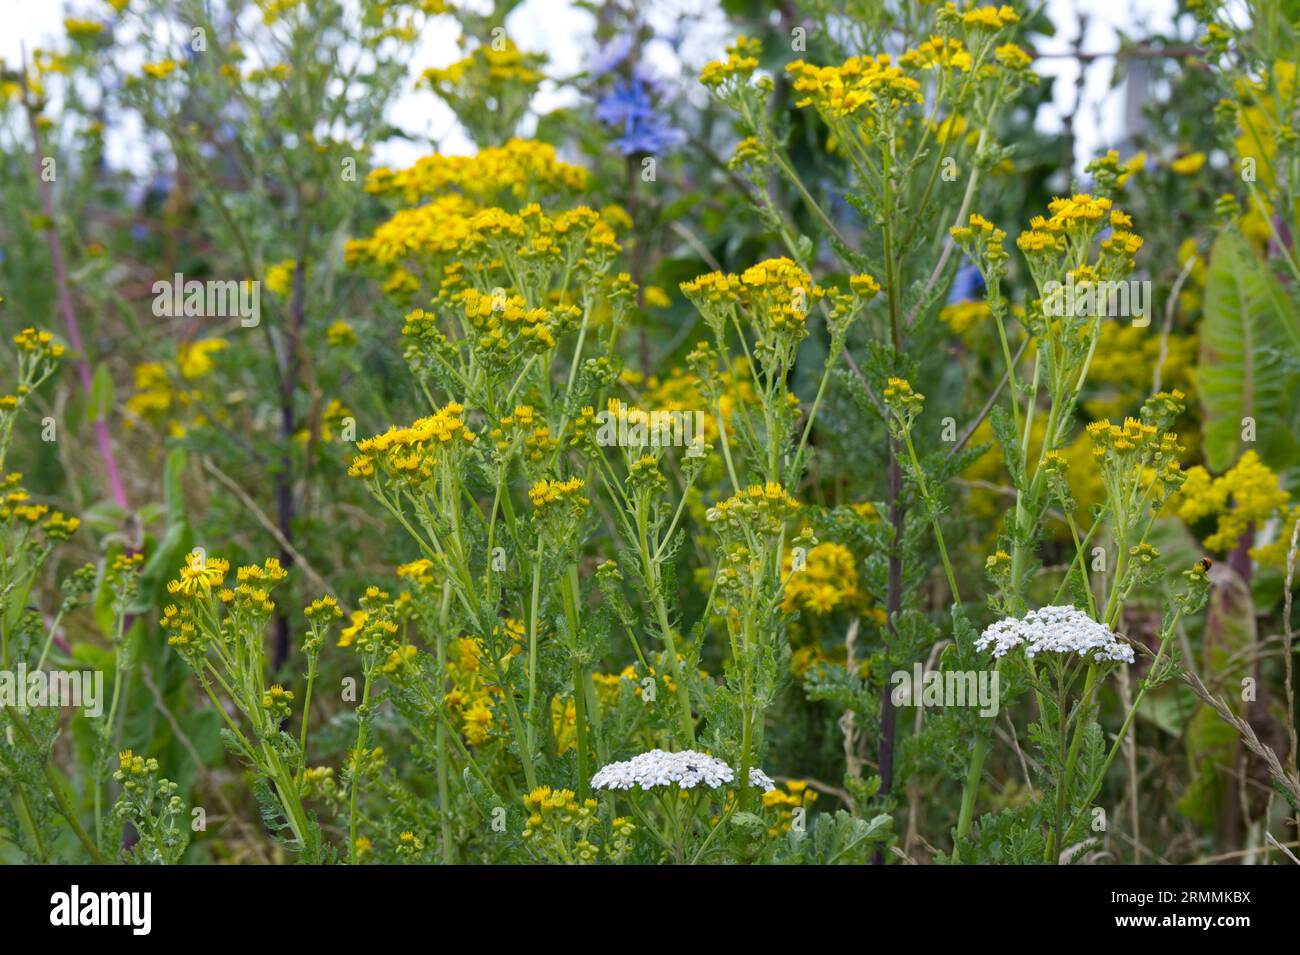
(685, 770)
(1055, 630)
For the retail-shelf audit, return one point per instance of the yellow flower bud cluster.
(412, 454)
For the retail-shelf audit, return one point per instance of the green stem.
(1056, 839)
(579, 686)
(726, 449)
(934, 517)
(654, 587)
(1137, 702)
(1083, 564)
(356, 770)
(979, 750)
(306, 709)
(58, 791)
(444, 788)
(1011, 367)
(23, 810)
(534, 614)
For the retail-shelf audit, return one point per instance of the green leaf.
(177, 538)
(1210, 744)
(104, 516)
(93, 657)
(103, 603)
(101, 395)
(844, 840)
(1230, 627)
(1250, 337)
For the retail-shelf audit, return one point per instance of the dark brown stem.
(1239, 560)
(284, 478)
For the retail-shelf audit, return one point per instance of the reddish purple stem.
(102, 439)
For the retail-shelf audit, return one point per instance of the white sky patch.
(1100, 123)
(565, 34)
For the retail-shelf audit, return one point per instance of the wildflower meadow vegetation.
(785, 448)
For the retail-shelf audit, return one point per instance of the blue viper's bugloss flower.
(628, 107)
(610, 56)
(967, 285)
